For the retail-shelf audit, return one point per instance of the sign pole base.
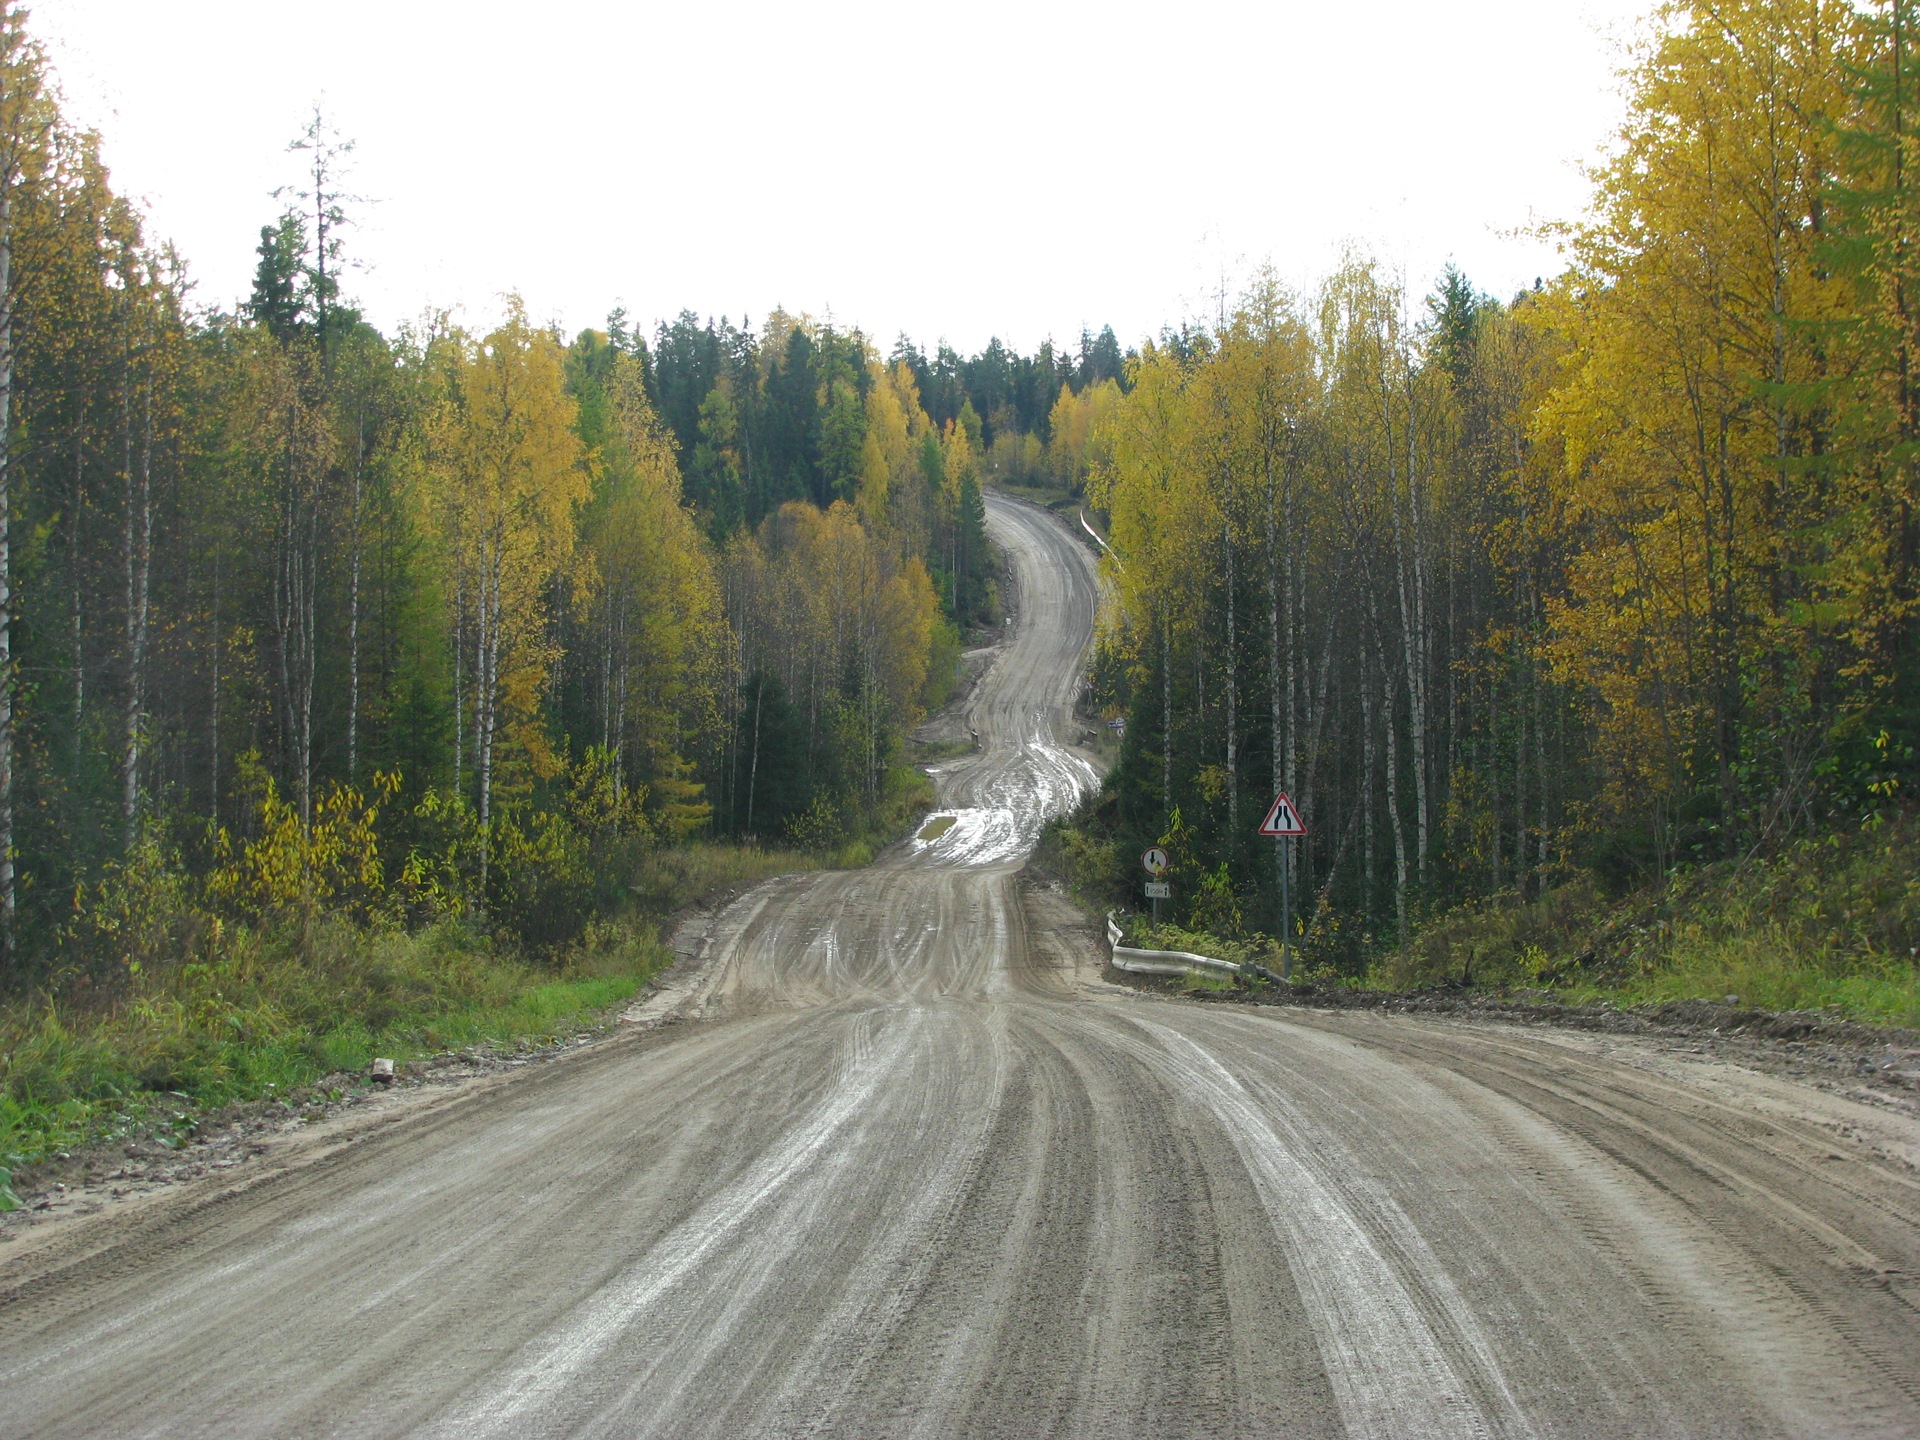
(1286, 910)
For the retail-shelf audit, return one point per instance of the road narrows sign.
(1283, 821)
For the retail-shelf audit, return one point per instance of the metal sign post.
(1283, 823)
(1286, 909)
(1154, 862)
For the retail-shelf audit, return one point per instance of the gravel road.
(892, 1158)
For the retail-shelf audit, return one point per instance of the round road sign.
(1155, 861)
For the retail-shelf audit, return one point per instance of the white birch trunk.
(139, 567)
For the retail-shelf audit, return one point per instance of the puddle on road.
(1044, 780)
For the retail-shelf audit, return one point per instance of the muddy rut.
(891, 1158)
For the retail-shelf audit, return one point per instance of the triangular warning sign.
(1283, 820)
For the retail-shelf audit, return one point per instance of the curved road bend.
(912, 1169)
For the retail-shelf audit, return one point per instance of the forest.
(356, 687)
(1593, 585)
(307, 617)
(344, 673)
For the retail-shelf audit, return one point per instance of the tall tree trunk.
(309, 657)
(76, 607)
(1489, 747)
(139, 566)
(128, 508)
(486, 697)
(213, 702)
(1421, 679)
(1166, 719)
(353, 607)
(1409, 586)
(1520, 796)
(607, 608)
(1452, 752)
(1369, 780)
(12, 42)
(1314, 693)
(1543, 838)
(1200, 677)
(753, 765)
(1390, 743)
(1393, 807)
(1282, 727)
(1232, 698)
(295, 612)
(282, 627)
(459, 676)
(622, 672)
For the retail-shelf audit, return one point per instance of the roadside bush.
(821, 827)
(1086, 864)
(1502, 940)
(293, 869)
(299, 957)
(1216, 908)
(668, 877)
(1832, 921)
(259, 1011)
(140, 915)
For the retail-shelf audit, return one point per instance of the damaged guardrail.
(1170, 962)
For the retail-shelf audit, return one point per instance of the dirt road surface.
(904, 1164)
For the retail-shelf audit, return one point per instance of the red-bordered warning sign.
(1283, 821)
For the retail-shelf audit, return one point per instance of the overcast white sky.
(1010, 167)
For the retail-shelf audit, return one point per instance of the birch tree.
(507, 476)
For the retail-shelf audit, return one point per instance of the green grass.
(1832, 923)
(264, 1016)
(253, 1014)
(674, 876)
(1767, 977)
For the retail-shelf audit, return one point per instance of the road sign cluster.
(1283, 822)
